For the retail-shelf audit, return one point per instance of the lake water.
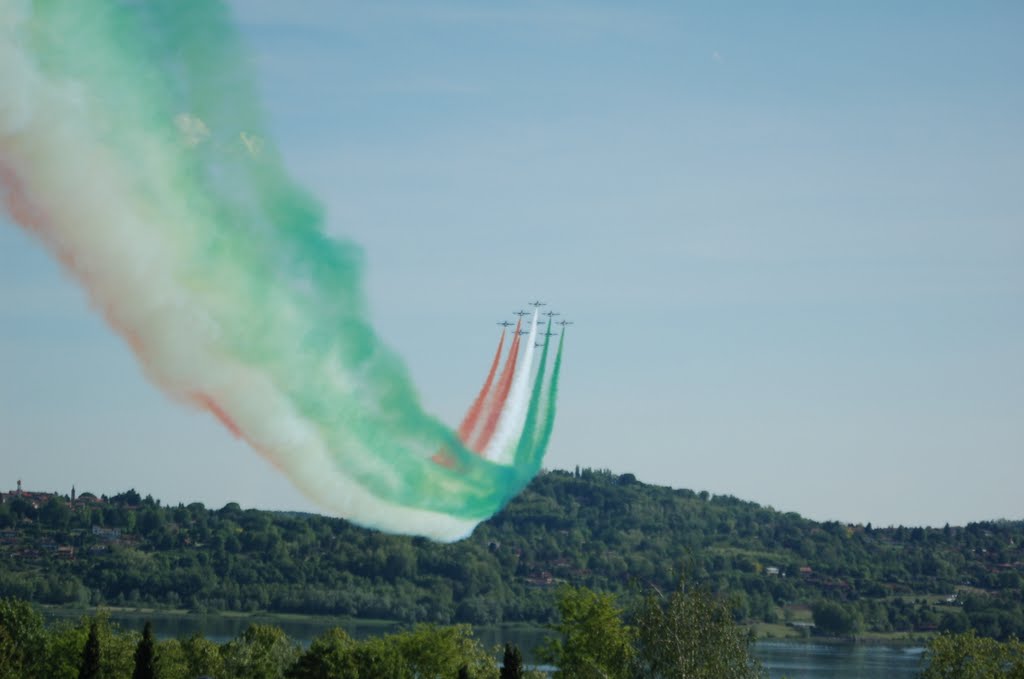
(806, 660)
(790, 659)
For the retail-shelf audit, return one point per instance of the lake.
(807, 660)
(790, 659)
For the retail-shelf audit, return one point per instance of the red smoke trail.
(34, 218)
(21, 207)
(501, 394)
(473, 415)
(31, 215)
(208, 403)
(469, 423)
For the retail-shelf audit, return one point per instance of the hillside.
(587, 527)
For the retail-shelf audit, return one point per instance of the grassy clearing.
(764, 630)
(798, 613)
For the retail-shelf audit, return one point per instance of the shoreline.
(141, 613)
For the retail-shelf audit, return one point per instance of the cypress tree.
(90, 667)
(145, 655)
(512, 664)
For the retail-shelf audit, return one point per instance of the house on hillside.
(109, 534)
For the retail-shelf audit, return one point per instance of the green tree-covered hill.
(590, 527)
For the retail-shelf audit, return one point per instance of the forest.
(688, 632)
(591, 528)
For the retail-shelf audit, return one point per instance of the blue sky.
(792, 240)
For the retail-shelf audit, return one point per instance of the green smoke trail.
(524, 460)
(157, 97)
(552, 397)
(543, 406)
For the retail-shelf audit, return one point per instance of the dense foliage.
(593, 640)
(690, 633)
(686, 634)
(93, 648)
(591, 528)
(967, 656)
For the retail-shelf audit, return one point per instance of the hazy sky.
(791, 239)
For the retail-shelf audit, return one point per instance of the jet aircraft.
(521, 313)
(538, 303)
(506, 324)
(563, 323)
(550, 314)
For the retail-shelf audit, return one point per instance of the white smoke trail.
(513, 416)
(125, 232)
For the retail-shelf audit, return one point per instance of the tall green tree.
(968, 656)
(23, 638)
(433, 651)
(66, 643)
(512, 663)
(593, 640)
(379, 657)
(835, 619)
(202, 657)
(145, 655)
(55, 513)
(90, 665)
(691, 634)
(260, 652)
(329, 655)
(170, 661)
(9, 663)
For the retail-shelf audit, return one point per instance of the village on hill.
(784, 574)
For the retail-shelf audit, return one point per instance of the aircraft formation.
(536, 304)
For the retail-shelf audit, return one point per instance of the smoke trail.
(526, 437)
(132, 146)
(497, 403)
(513, 414)
(548, 407)
(469, 422)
